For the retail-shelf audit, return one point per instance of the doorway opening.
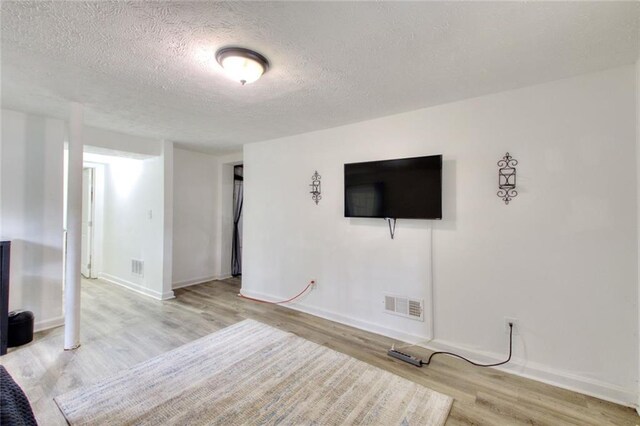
(236, 251)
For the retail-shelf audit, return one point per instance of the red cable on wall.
(281, 302)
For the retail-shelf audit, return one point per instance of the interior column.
(74, 230)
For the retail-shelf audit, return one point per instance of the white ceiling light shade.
(243, 65)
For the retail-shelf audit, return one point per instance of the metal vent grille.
(390, 303)
(137, 267)
(415, 308)
(404, 306)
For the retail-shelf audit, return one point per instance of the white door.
(87, 221)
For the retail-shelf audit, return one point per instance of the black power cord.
(475, 363)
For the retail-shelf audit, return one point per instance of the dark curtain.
(236, 253)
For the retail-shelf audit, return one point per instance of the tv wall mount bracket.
(392, 230)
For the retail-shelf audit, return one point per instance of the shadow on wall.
(449, 197)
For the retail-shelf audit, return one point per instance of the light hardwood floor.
(121, 328)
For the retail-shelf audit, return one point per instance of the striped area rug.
(251, 373)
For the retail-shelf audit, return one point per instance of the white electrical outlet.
(516, 325)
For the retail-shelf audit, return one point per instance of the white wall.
(194, 217)
(202, 216)
(107, 142)
(31, 215)
(562, 258)
(134, 224)
(167, 226)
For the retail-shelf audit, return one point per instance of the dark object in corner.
(15, 409)
(5, 252)
(20, 328)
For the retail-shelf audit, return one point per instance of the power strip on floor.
(405, 357)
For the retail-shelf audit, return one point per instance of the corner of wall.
(167, 252)
(638, 215)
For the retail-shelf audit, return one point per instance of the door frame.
(97, 217)
(90, 219)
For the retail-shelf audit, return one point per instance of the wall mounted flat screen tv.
(406, 188)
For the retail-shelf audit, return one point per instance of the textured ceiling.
(147, 68)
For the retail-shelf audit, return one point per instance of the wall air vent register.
(137, 267)
(404, 306)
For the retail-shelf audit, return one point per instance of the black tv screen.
(406, 188)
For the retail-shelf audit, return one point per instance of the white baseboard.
(135, 287)
(224, 277)
(343, 319)
(519, 367)
(48, 324)
(545, 374)
(196, 281)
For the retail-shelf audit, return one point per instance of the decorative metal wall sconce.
(315, 187)
(507, 178)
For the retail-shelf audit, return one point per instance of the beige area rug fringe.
(251, 373)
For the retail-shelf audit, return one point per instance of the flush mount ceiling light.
(243, 65)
